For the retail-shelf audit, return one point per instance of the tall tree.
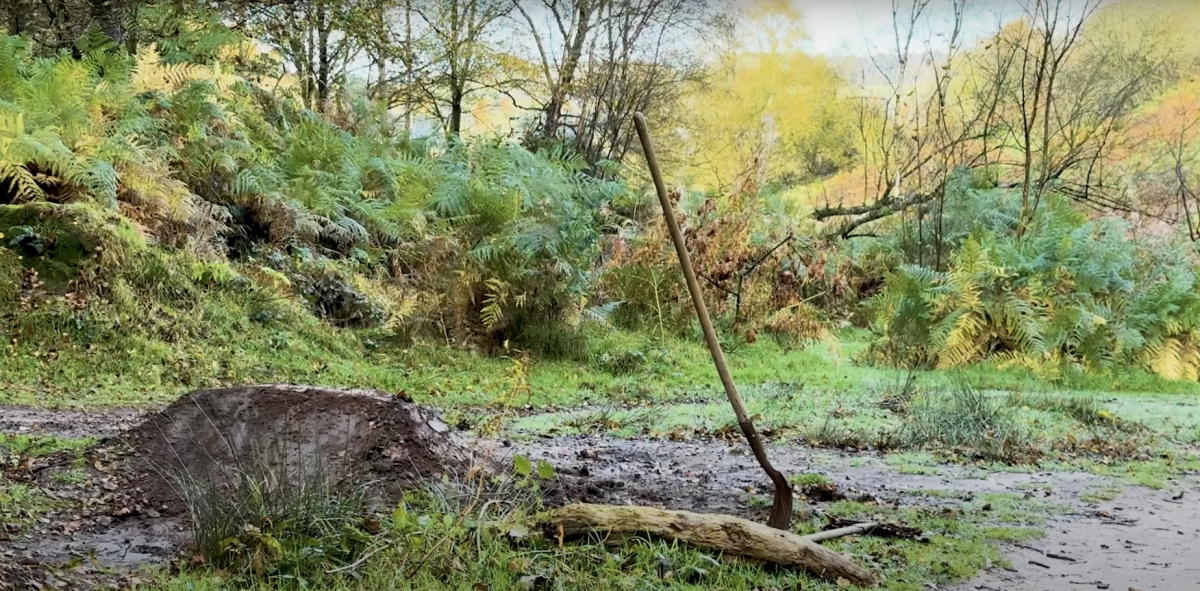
(571, 25)
(109, 16)
(602, 60)
(1048, 38)
(1071, 96)
(769, 101)
(927, 123)
(55, 25)
(1048, 96)
(461, 58)
(317, 38)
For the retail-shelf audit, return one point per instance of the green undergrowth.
(99, 316)
(139, 369)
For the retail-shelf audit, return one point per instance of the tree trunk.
(722, 533)
(456, 109)
(15, 12)
(324, 67)
(566, 75)
(408, 67)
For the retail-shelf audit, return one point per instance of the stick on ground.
(781, 510)
(721, 533)
(841, 531)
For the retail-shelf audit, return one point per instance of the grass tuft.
(968, 421)
(273, 521)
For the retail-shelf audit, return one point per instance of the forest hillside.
(972, 243)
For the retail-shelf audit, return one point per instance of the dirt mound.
(348, 437)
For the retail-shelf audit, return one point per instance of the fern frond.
(24, 187)
(965, 342)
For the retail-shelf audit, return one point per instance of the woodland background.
(185, 179)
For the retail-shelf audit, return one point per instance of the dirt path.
(1143, 539)
(67, 423)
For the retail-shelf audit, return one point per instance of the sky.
(855, 27)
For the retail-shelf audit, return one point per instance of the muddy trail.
(1143, 539)
(71, 424)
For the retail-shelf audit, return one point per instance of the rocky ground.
(1142, 539)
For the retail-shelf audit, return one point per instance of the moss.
(58, 240)
(10, 274)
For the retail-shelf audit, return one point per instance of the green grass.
(39, 446)
(436, 534)
(143, 370)
(20, 503)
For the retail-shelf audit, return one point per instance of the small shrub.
(808, 479)
(554, 340)
(832, 432)
(11, 273)
(620, 362)
(1083, 409)
(621, 353)
(333, 298)
(213, 274)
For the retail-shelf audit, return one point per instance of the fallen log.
(722, 533)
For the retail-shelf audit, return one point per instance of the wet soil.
(715, 477)
(96, 522)
(1145, 539)
(70, 424)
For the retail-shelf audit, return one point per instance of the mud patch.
(712, 477)
(1143, 539)
(91, 524)
(70, 424)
